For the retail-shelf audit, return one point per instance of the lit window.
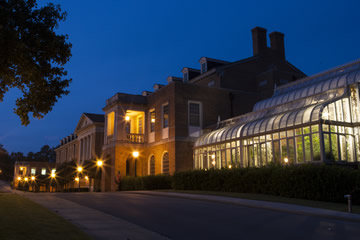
(194, 114)
(53, 170)
(110, 123)
(33, 171)
(140, 128)
(165, 111)
(43, 171)
(186, 77)
(152, 121)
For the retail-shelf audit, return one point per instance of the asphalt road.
(179, 218)
(4, 186)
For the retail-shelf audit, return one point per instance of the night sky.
(128, 46)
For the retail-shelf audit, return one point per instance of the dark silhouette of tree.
(6, 165)
(32, 56)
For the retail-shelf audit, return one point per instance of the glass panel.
(333, 128)
(223, 159)
(256, 155)
(298, 131)
(354, 99)
(332, 112)
(251, 156)
(245, 162)
(315, 114)
(357, 143)
(314, 128)
(269, 152)
(263, 154)
(233, 157)
(283, 134)
(334, 148)
(307, 147)
(339, 111)
(277, 151)
(291, 119)
(290, 133)
(277, 121)
(346, 109)
(299, 117)
(284, 153)
(325, 127)
(307, 115)
(270, 123)
(306, 130)
(299, 150)
(350, 148)
(327, 146)
(342, 143)
(291, 146)
(276, 136)
(325, 113)
(316, 147)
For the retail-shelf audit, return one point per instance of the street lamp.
(99, 163)
(135, 154)
(19, 178)
(32, 178)
(79, 169)
(286, 160)
(26, 179)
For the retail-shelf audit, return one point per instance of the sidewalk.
(97, 224)
(290, 208)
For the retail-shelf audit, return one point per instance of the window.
(165, 163)
(140, 125)
(43, 171)
(203, 68)
(165, 112)
(53, 170)
(194, 114)
(110, 123)
(33, 171)
(186, 77)
(152, 165)
(152, 121)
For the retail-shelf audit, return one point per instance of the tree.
(32, 56)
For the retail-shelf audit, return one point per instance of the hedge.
(146, 183)
(307, 181)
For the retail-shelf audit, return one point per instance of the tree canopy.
(32, 56)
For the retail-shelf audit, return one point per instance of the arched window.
(165, 163)
(152, 165)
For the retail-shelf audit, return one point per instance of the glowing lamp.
(213, 156)
(32, 178)
(286, 160)
(19, 178)
(127, 118)
(153, 120)
(230, 166)
(86, 177)
(213, 162)
(53, 175)
(79, 169)
(99, 163)
(135, 154)
(26, 179)
(77, 179)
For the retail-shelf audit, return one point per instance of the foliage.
(305, 181)
(66, 172)
(6, 165)
(146, 183)
(32, 56)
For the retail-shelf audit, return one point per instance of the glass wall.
(319, 122)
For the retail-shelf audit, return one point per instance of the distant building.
(154, 133)
(29, 174)
(314, 119)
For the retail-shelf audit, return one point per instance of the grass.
(341, 207)
(21, 218)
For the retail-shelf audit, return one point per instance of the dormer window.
(203, 68)
(186, 77)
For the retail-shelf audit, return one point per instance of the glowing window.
(33, 171)
(110, 123)
(43, 171)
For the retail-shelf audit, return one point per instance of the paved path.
(184, 217)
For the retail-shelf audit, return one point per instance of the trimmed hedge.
(307, 181)
(146, 183)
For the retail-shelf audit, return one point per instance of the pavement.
(104, 226)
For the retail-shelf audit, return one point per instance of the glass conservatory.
(310, 120)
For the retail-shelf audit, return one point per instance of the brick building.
(154, 133)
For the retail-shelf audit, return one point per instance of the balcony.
(135, 138)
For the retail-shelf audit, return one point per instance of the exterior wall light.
(86, 178)
(77, 179)
(32, 178)
(230, 166)
(26, 179)
(153, 120)
(127, 118)
(19, 178)
(79, 169)
(99, 163)
(286, 160)
(21, 168)
(135, 154)
(53, 175)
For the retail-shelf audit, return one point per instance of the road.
(4, 186)
(179, 218)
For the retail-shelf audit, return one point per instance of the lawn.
(21, 218)
(342, 207)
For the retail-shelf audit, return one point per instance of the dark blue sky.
(128, 46)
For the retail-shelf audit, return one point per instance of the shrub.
(145, 183)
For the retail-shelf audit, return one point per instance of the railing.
(135, 138)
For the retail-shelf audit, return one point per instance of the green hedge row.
(146, 183)
(306, 181)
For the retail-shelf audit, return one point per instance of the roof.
(95, 117)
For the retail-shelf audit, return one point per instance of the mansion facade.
(154, 132)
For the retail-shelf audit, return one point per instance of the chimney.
(259, 40)
(277, 43)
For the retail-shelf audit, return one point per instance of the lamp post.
(79, 169)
